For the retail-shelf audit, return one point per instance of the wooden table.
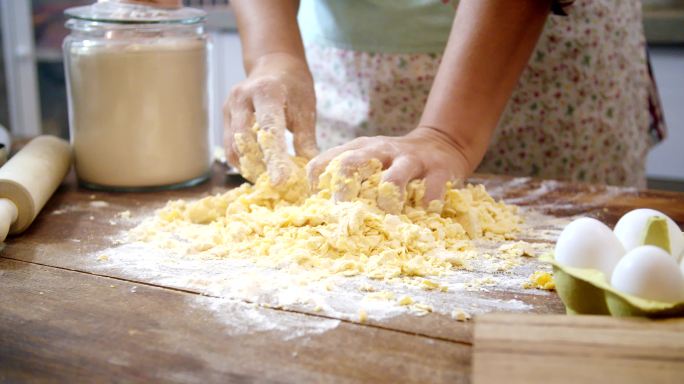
(63, 319)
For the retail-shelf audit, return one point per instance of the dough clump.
(286, 227)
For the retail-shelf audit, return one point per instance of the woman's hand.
(490, 43)
(279, 95)
(424, 153)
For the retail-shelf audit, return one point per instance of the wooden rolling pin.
(28, 180)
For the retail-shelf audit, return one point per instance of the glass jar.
(138, 96)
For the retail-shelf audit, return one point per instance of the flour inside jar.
(138, 104)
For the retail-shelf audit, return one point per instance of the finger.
(358, 165)
(245, 147)
(355, 156)
(319, 163)
(241, 146)
(270, 115)
(403, 170)
(392, 189)
(435, 186)
(356, 160)
(304, 132)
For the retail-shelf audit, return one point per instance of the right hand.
(279, 94)
(425, 154)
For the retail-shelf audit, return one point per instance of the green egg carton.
(585, 290)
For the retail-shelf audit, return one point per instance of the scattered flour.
(99, 204)
(260, 246)
(336, 296)
(249, 318)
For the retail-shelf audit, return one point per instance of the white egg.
(629, 229)
(649, 272)
(588, 243)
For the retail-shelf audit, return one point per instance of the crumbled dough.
(509, 255)
(421, 309)
(517, 249)
(540, 280)
(338, 230)
(405, 300)
(459, 314)
(418, 309)
(363, 315)
(430, 285)
(479, 283)
(382, 296)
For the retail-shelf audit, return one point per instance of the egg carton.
(585, 290)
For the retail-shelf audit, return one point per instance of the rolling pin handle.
(30, 177)
(8, 215)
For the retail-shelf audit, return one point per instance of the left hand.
(279, 95)
(425, 153)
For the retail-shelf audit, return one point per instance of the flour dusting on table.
(347, 260)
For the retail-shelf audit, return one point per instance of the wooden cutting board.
(513, 349)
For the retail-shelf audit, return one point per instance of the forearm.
(489, 45)
(268, 27)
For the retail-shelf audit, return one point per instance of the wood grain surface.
(513, 349)
(65, 318)
(57, 325)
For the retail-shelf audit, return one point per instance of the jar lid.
(112, 11)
